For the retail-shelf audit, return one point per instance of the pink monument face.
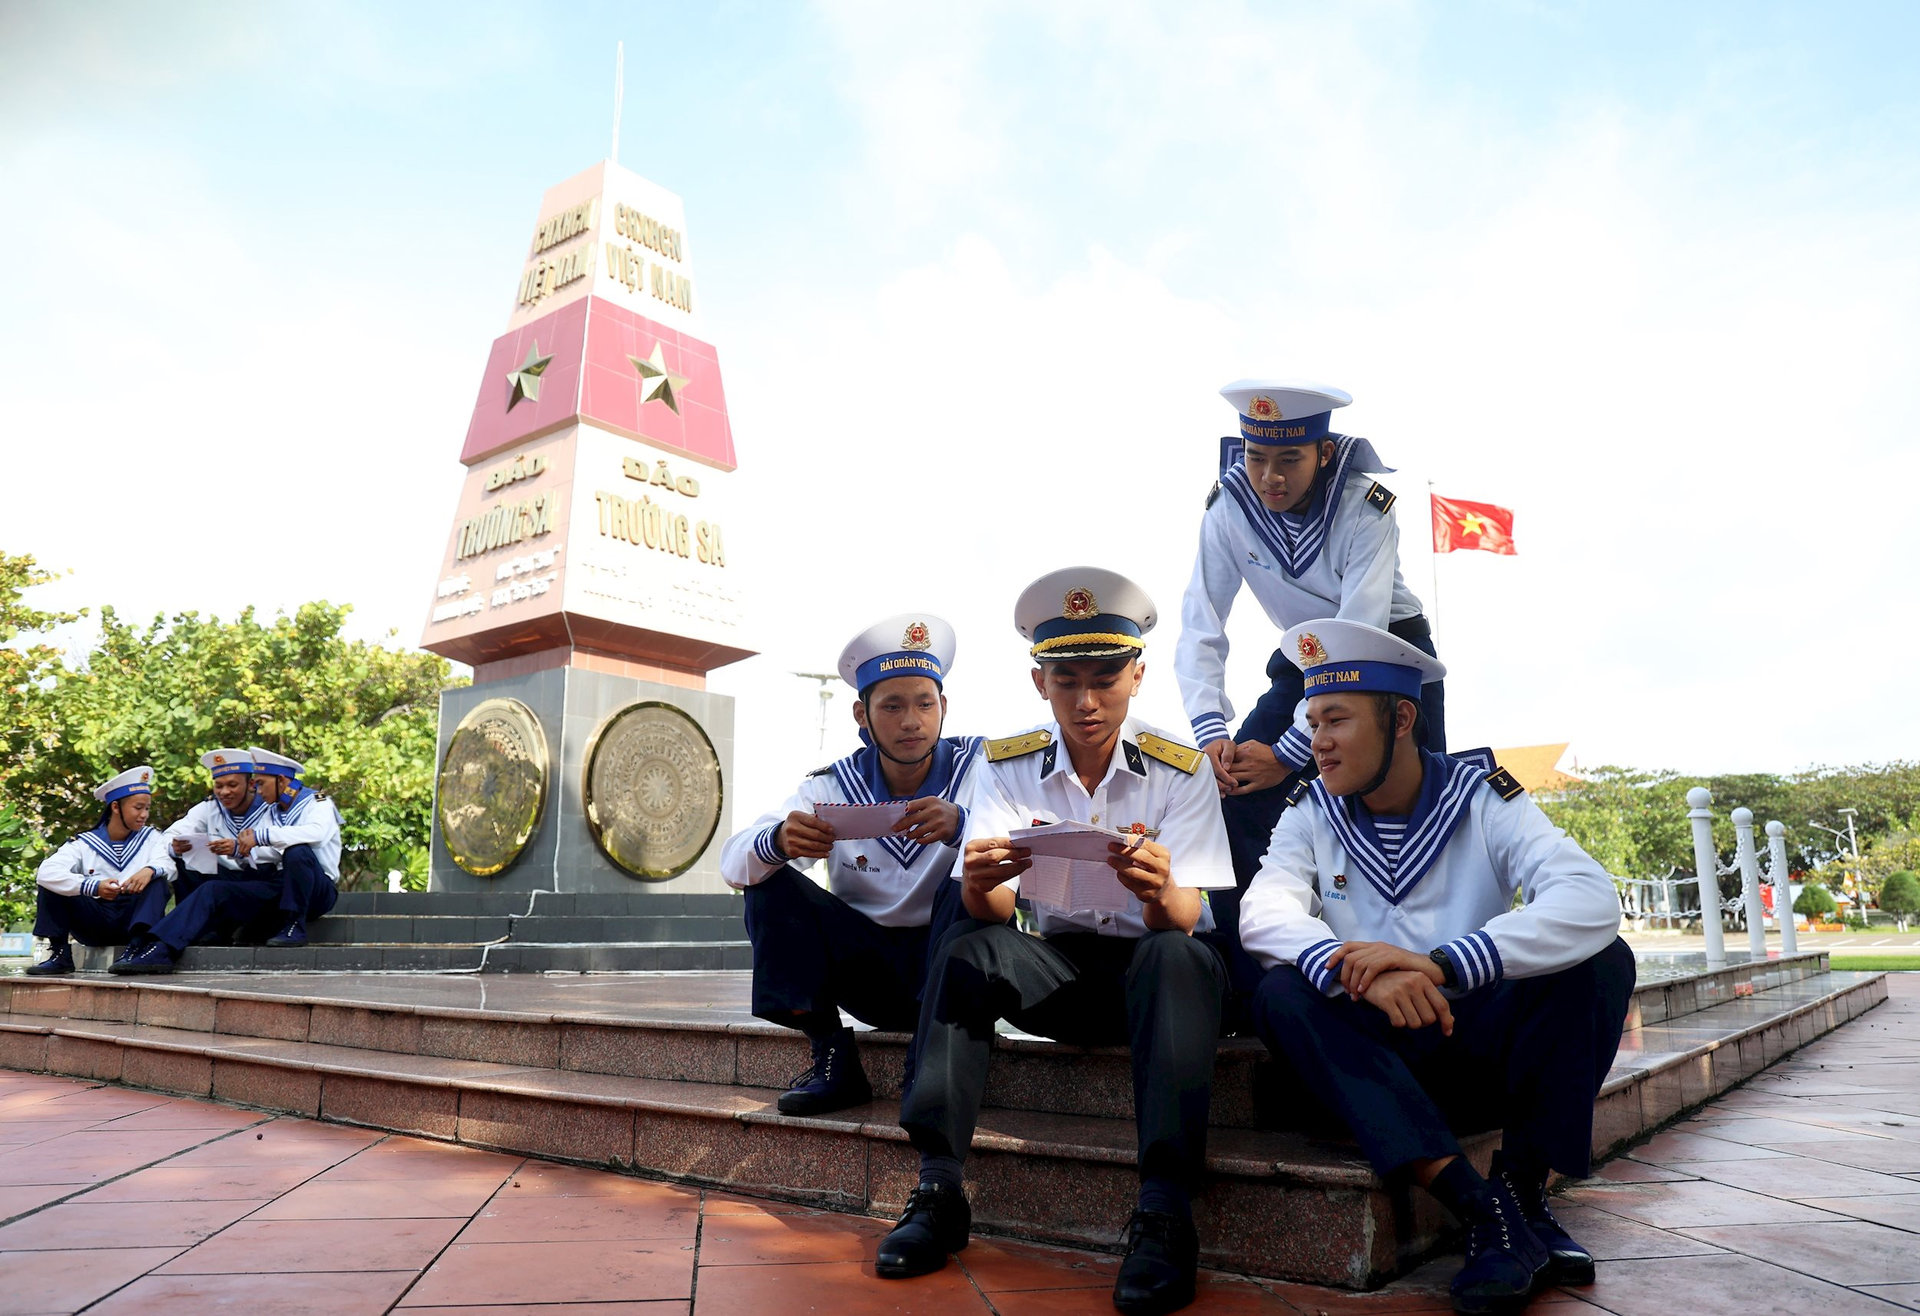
(592, 522)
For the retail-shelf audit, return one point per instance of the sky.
(1645, 274)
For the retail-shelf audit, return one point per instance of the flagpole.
(1433, 562)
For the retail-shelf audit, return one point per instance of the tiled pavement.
(1798, 1192)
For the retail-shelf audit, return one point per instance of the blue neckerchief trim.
(239, 823)
(1447, 787)
(117, 855)
(862, 781)
(1294, 540)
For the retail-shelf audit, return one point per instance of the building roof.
(1537, 767)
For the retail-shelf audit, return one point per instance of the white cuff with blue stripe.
(89, 886)
(1294, 748)
(765, 849)
(960, 832)
(1313, 963)
(1209, 727)
(1476, 961)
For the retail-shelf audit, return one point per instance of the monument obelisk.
(586, 577)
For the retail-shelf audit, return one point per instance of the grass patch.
(1842, 958)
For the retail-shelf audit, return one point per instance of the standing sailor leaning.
(107, 885)
(860, 944)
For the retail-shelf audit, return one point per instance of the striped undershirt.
(1392, 832)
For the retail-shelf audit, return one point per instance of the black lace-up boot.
(1567, 1261)
(835, 1081)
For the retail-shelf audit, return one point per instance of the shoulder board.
(1381, 497)
(1213, 493)
(319, 795)
(1297, 792)
(1171, 752)
(1013, 747)
(821, 772)
(1504, 784)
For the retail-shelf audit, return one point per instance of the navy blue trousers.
(95, 922)
(1527, 1055)
(1159, 995)
(814, 954)
(220, 905)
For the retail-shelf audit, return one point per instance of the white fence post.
(1708, 867)
(1782, 884)
(1750, 882)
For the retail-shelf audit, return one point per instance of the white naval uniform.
(1182, 807)
(82, 864)
(312, 821)
(210, 818)
(1355, 576)
(1458, 899)
(889, 879)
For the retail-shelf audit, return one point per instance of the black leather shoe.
(60, 960)
(1567, 1261)
(148, 957)
(836, 1081)
(1163, 1253)
(934, 1225)
(1505, 1261)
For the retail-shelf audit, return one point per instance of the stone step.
(563, 929)
(522, 904)
(1276, 1203)
(464, 957)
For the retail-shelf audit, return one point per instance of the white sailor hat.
(134, 781)
(270, 764)
(1084, 612)
(226, 762)
(912, 644)
(1283, 412)
(1350, 656)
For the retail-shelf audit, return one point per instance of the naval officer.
(290, 864)
(861, 943)
(107, 885)
(1295, 522)
(1125, 970)
(233, 807)
(1406, 988)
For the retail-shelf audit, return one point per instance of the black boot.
(59, 960)
(835, 1081)
(1505, 1261)
(1567, 1261)
(935, 1224)
(1163, 1253)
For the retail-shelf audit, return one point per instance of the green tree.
(1815, 901)
(1632, 821)
(1900, 895)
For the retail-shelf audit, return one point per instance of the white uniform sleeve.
(319, 824)
(1192, 829)
(749, 856)
(1200, 656)
(1371, 562)
(1295, 746)
(989, 812)
(1571, 912)
(64, 872)
(191, 823)
(1280, 914)
(156, 852)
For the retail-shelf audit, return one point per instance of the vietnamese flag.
(1461, 524)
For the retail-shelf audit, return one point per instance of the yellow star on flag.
(1472, 523)
(525, 382)
(655, 382)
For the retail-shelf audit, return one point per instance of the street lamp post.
(1853, 846)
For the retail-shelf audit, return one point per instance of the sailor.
(290, 862)
(233, 807)
(1405, 987)
(860, 943)
(108, 885)
(1294, 521)
(1124, 970)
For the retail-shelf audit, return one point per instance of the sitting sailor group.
(272, 842)
(1332, 878)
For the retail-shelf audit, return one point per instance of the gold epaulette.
(1381, 497)
(1013, 747)
(1505, 784)
(1171, 752)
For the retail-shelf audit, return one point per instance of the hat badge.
(1264, 408)
(145, 775)
(218, 759)
(917, 636)
(1312, 652)
(1080, 604)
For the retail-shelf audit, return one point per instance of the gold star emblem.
(1472, 523)
(525, 382)
(655, 382)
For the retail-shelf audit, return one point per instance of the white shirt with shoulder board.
(210, 818)
(888, 878)
(82, 864)
(1179, 806)
(1355, 576)
(310, 820)
(1325, 880)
